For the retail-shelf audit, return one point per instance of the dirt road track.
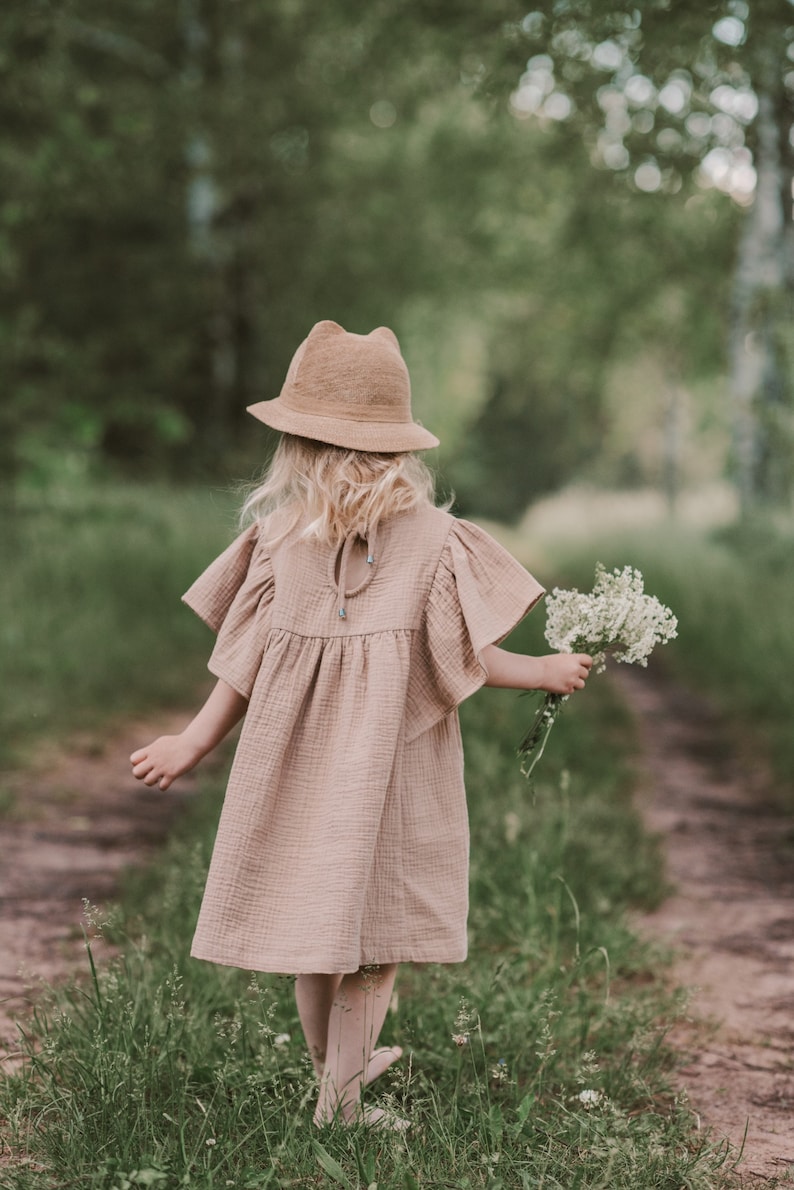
(730, 859)
(80, 820)
(76, 821)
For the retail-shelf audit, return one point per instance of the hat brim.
(380, 437)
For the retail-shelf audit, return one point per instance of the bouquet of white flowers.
(617, 618)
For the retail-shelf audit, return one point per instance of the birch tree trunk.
(672, 440)
(758, 381)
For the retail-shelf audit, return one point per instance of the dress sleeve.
(478, 595)
(234, 597)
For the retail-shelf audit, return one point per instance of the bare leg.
(314, 995)
(354, 1023)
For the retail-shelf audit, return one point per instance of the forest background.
(577, 218)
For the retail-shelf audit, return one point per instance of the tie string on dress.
(342, 593)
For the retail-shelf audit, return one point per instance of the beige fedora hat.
(348, 390)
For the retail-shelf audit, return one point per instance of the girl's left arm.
(556, 673)
(169, 756)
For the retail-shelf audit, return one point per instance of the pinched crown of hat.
(348, 390)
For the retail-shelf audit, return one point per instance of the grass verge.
(90, 619)
(541, 1062)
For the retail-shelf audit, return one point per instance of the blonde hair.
(334, 491)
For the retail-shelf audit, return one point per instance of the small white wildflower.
(466, 1016)
(282, 1039)
(589, 1098)
(588, 1066)
(464, 1022)
(616, 618)
(500, 1072)
(94, 918)
(210, 1141)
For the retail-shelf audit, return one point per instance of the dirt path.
(72, 825)
(79, 819)
(730, 859)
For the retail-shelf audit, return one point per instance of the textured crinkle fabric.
(343, 838)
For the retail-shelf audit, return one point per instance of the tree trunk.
(209, 243)
(757, 379)
(673, 441)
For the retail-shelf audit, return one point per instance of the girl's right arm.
(557, 673)
(168, 757)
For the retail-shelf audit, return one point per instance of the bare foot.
(379, 1118)
(351, 1111)
(380, 1060)
(354, 1115)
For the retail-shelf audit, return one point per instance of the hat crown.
(337, 369)
(347, 390)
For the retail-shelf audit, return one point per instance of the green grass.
(158, 1070)
(90, 620)
(733, 593)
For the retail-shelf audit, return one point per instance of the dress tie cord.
(342, 593)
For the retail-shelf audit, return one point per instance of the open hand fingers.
(162, 761)
(142, 766)
(145, 768)
(151, 775)
(147, 772)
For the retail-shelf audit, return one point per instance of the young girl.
(352, 618)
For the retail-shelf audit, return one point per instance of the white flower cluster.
(617, 618)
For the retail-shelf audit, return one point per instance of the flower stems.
(534, 741)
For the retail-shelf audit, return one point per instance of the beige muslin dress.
(343, 839)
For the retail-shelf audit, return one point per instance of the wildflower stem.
(533, 744)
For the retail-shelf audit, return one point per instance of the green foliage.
(598, 292)
(608, 60)
(180, 200)
(91, 623)
(670, 97)
(189, 188)
(159, 1070)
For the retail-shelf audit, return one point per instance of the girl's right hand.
(563, 673)
(165, 759)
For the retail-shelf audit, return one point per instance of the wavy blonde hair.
(333, 491)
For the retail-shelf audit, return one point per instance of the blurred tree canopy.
(667, 93)
(189, 187)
